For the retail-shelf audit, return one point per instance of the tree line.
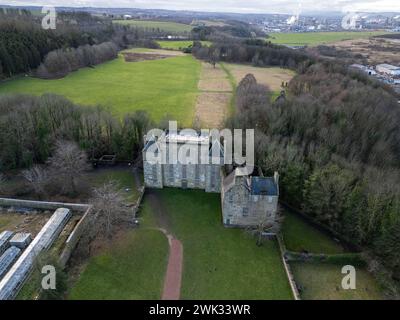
(260, 53)
(335, 140)
(30, 126)
(61, 62)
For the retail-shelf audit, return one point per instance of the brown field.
(213, 101)
(214, 79)
(139, 55)
(18, 222)
(375, 50)
(271, 77)
(211, 109)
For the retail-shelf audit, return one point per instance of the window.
(245, 212)
(270, 199)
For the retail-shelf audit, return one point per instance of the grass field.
(6, 221)
(321, 281)
(161, 87)
(324, 282)
(131, 269)
(299, 236)
(318, 38)
(123, 177)
(219, 263)
(179, 45)
(172, 27)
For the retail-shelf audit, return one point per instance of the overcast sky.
(239, 6)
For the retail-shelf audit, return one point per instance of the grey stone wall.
(213, 178)
(189, 176)
(152, 175)
(240, 208)
(235, 202)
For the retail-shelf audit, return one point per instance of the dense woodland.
(257, 52)
(30, 127)
(231, 29)
(24, 45)
(59, 63)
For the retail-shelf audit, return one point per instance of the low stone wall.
(289, 274)
(41, 205)
(74, 237)
(76, 234)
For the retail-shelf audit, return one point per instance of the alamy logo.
(191, 147)
(50, 18)
(49, 280)
(349, 281)
(349, 21)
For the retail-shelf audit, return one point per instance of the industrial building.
(388, 69)
(366, 69)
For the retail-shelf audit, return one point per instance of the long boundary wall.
(289, 274)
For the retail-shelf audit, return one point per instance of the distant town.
(384, 72)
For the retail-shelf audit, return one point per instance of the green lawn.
(299, 236)
(131, 269)
(318, 38)
(179, 45)
(161, 87)
(123, 177)
(219, 263)
(324, 282)
(173, 27)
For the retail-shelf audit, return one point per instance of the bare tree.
(264, 227)
(214, 57)
(2, 182)
(109, 209)
(37, 178)
(68, 164)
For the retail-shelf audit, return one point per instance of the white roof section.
(20, 237)
(388, 66)
(185, 137)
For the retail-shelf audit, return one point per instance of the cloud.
(240, 6)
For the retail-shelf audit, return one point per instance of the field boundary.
(288, 270)
(233, 82)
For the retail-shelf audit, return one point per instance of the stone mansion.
(246, 200)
